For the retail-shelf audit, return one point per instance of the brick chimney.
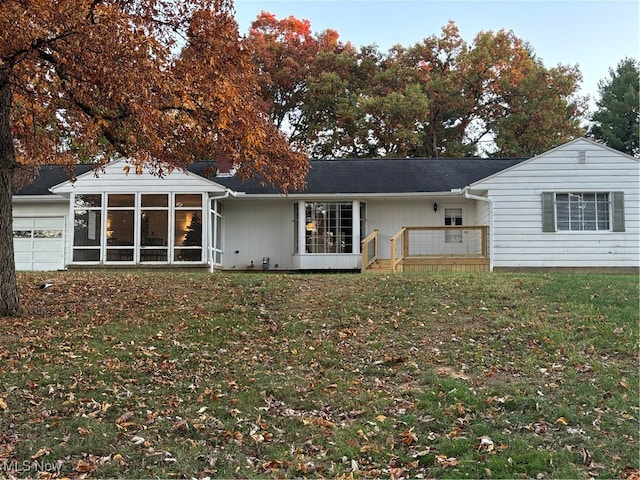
(225, 164)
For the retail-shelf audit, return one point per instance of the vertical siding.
(517, 198)
(257, 229)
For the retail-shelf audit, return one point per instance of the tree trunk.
(9, 302)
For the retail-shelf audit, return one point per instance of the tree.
(283, 51)
(439, 97)
(616, 121)
(161, 83)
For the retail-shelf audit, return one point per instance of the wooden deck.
(424, 249)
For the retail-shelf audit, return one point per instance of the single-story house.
(575, 207)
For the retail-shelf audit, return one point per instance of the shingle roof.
(356, 176)
(48, 176)
(419, 175)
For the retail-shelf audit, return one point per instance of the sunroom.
(120, 219)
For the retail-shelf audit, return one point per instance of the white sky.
(593, 34)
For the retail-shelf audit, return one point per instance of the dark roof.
(48, 176)
(404, 175)
(356, 176)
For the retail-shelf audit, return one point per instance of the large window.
(128, 227)
(120, 227)
(87, 228)
(329, 226)
(187, 238)
(583, 211)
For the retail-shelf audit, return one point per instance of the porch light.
(435, 206)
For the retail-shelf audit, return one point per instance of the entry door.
(453, 239)
(38, 243)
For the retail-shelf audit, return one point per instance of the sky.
(595, 35)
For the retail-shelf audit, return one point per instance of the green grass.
(178, 375)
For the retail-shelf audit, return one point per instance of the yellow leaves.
(41, 453)
(562, 421)
(3, 404)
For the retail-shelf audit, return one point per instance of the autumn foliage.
(441, 97)
(162, 83)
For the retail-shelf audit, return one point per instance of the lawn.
(193, 375)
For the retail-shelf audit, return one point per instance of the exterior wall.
(390, 215)
(256, 229)
(518, 239)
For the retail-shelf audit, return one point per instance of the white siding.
(256, 229)
(116, 180)
(389, 216)
(518, 239)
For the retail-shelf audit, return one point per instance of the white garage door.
(38, 243)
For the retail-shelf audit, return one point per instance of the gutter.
(210, 256)
(465, 192)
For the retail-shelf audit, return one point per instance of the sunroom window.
(128, 227)
(188, 228)
(87, 228)
(120, 227)
(154, 227)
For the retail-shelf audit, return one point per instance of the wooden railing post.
(485, 242)
(364, 250)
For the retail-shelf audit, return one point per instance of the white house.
(575, 207)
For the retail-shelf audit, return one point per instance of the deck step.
(381, 265)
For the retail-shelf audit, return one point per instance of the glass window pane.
(155, 200)
(188, 228)
(154, 228)
(47, 234)
(153, 255)
(120, 255)
(188, 200)
(22, 234)
(121, 200)
(86, 255)
(187, 255)
(120, 227)
(88, 201)
(87, 227)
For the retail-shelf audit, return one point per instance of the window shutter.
(618, 211)
(548, 212)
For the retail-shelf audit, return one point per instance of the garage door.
(38, 243)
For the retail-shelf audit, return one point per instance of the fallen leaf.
(562, 421)
(486, 444)
(41, 453)
(444, 461)
(124, 417)
(85, 467)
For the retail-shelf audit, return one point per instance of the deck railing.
(369, 249)
(438, 242)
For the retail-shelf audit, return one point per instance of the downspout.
(470, 196)
(210, 256)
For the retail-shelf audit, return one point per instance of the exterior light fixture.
(435, 206)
